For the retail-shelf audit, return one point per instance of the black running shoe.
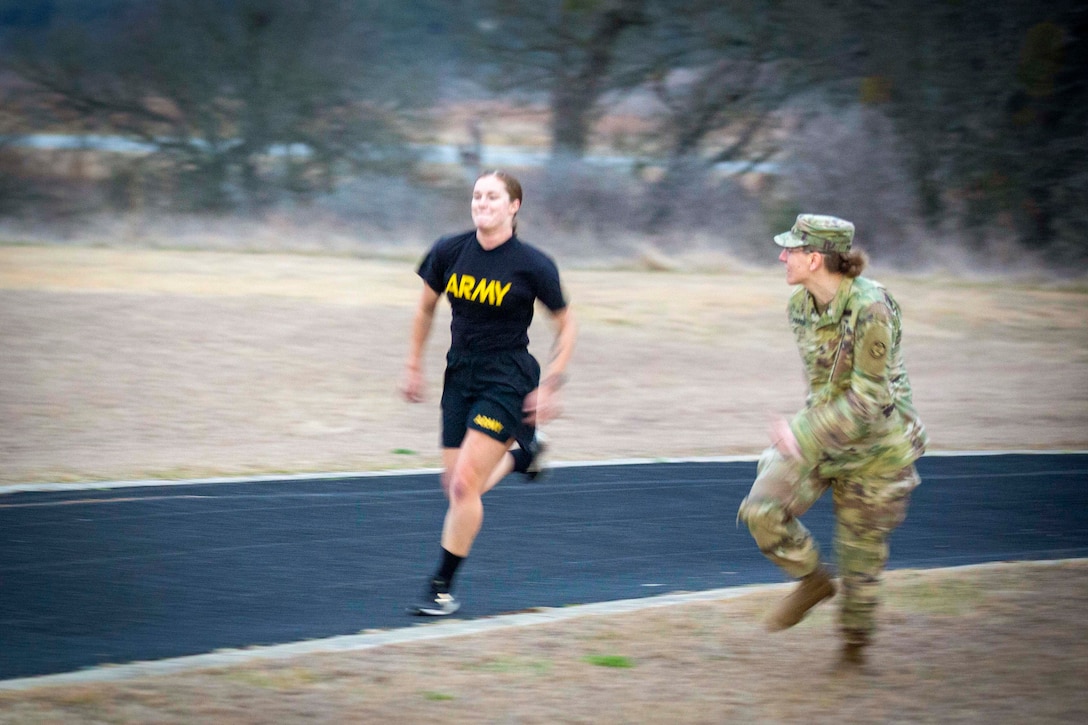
(435, 603)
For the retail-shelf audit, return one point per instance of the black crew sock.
(443, 578)
(522, 459)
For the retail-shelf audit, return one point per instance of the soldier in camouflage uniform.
(858, 434)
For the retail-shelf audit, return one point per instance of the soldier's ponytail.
(848, 264)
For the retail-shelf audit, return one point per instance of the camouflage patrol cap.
(824, 233)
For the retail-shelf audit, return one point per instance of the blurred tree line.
(911, 118)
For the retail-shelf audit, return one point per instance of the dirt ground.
(1005, 643)
(121, 364)
(135, 364)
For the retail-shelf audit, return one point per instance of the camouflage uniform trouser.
(868, 507)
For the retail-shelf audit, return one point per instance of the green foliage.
(617, 661)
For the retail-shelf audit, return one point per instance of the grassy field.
(130, 364)
(165, 364)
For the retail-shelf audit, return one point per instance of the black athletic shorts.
(486, 391)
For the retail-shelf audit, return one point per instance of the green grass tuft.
(513, 665)
(609, 661)
(437, 696)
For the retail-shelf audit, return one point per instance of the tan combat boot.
(852, 660)
(853, 654)
(812, 590)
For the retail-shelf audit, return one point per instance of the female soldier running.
(858, 434)
(492, 394)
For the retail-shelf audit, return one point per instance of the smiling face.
(492, 208)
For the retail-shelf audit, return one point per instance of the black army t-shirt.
(491, 292)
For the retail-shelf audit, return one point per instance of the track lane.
(114, 575)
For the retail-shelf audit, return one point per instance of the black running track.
(141, 573)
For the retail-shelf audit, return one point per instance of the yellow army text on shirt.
(859, 415)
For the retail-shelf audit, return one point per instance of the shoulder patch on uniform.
(872, 349)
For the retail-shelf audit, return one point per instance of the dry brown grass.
(1002, 643)
(133, 364)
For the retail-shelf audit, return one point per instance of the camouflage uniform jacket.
(859, 416)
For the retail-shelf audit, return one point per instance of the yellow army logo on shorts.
(490, 423)
(878, 350)
(468, 288)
